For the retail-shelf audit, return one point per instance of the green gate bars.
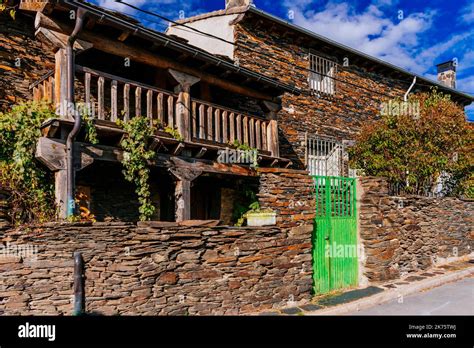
(335, 256)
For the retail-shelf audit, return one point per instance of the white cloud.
(116, 6)
(467, 13)
(377, 30)
(466, 84)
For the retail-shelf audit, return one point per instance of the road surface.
(450, 299)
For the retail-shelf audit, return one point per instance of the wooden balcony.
(110, 98)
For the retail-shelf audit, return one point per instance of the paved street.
(451, 299)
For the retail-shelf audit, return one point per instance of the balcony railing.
(111, 98)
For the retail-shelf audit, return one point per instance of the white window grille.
(322, 75)
(325, 156)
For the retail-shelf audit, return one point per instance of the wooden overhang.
(123, 36)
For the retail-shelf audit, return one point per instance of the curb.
(391, 294)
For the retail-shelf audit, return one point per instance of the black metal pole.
(79, 285)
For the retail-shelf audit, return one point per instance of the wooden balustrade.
(112, 98)
(43, 90)
(218, 124)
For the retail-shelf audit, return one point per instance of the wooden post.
(183, 106)
(60, 192)
(60, 83)
(79, 285)
(184, 177)
(272, 128)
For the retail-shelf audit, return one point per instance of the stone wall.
(156, 269)
(5, 218)
(290, 193)
(340, 116)
(405, 234)
(23, 59)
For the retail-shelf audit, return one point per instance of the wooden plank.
(225, 128)
(272, 138)
(87, 91)
(217, 125)
(264, 136)
(194, 119)
(41, 92)
(210, 134)
(202, 122)
(126, 102)
(149, 106)
(258, 135)
(171, 122)
(245, 127)
(232, 127)
(138, 101)
(252, 132)
(114, 101)
(36, 95)
(239, 129)
(101, 98)
(160, 109)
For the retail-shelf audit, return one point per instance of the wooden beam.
(139, 54)
(52, 153)
(201, 152)
(124, 36)
(59, 40)
(178, 149)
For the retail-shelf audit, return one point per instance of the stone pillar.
(183, 106)
(271, 110)
(184, 177)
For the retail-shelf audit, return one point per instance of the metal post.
(79, 285)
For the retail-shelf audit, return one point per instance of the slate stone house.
(341, 88)
(122, 69)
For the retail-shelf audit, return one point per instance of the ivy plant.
(135, 161)
(31, 186)
(10, 9)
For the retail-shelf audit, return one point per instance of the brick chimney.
(447, 73)
(237, 3)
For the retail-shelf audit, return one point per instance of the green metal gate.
(335, 234)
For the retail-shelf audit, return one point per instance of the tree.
(414, 151)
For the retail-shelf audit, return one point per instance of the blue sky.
(412, 34)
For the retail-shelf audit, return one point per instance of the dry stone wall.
(405, 234)
(155, 268)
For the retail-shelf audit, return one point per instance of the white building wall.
(218, 26)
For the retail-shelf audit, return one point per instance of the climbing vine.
(91, 131)
(5, 8)
(135, 161)
(31, 186)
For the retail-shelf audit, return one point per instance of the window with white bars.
(325, 156)
(322, 75)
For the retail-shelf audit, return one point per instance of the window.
(325, 156)
(322, 74)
